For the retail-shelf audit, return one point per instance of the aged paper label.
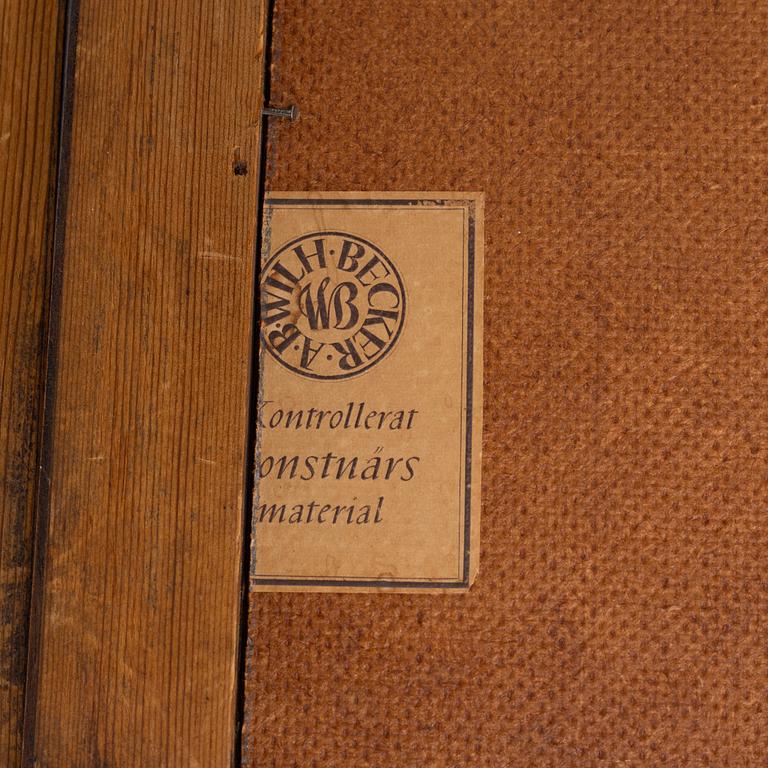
(370, 394)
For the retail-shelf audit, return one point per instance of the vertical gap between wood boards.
(69, 13)
(253, 400)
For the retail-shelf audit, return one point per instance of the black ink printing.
(352, 416)
(315, 512)
(334, 467)
(332, 305)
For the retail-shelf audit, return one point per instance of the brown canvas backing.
(619, 617)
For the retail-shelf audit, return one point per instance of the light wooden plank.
(136, 653)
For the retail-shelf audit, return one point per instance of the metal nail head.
(291, 113)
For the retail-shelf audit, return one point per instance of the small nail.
(291, 112)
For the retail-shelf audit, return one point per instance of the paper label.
(370, 392)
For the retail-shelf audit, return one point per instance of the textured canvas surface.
(619, 618)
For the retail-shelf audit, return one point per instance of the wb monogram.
(332, 305)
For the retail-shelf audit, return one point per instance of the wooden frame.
(136, 604)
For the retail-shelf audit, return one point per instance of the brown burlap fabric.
(619, 618)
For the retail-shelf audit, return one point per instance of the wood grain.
(136, 647)
(29, 93)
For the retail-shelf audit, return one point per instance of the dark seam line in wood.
(253, 400)
(64, 131)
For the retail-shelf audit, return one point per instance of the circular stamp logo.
(332, 305)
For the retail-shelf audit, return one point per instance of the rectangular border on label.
(472, 204)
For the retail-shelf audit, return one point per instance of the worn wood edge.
(247, 648)
(70, 12)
